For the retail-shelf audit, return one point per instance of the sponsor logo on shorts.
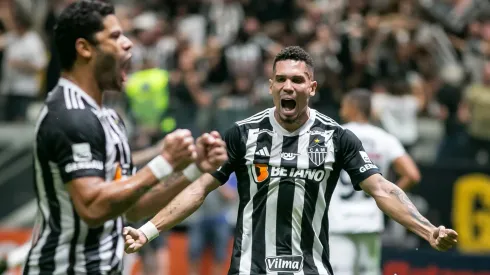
(284, 264)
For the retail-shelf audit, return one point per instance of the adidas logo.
(263, 152)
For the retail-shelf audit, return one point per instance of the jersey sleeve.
(355, 160)
(236, 152)
(394, 148)
(78, 145)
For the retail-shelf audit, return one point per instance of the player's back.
(357, 212)
(74, 139)
(285, 180)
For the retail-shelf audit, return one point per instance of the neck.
(85, 79)
(294, 125)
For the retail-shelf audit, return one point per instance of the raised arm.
(389, 197)
(211, 153)
(189, 200)
(395, 203)
(76, 145)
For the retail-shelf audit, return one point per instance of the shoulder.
(254, 119)
(325, 120)
(69, 113)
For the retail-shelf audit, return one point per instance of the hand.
(443, 239)
(179, 149)
(211, 152)
(134, 239)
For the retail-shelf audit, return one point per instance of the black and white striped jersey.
(75, 138)
(285, 182)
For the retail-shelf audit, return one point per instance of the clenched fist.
(134, 239)
(443, 239)
(179, 149)
(211, 152)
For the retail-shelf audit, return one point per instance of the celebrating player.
(355, 220)
(287, 160)
(84, 177)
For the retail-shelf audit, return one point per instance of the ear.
(84, 48)
(270, 86)
(313, 87)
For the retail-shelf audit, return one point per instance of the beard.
(107, 72)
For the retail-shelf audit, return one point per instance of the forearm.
(158, 197)
(185, 203)
(395, 203)
(145, 155)
(117, 197)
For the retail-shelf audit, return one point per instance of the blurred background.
(203, 64)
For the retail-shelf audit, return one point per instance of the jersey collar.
(301, 130)
(69, 84)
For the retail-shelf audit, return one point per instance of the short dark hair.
(81, 19)
(294, 53)
(362, 100)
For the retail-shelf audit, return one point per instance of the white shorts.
(355, 254)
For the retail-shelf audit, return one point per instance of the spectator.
(475, 110)
(397, 109)
(24, 61)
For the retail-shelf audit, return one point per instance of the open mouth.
(125, 65)
(288, 104)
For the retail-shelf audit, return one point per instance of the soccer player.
(287, 160)
(84, 177)
(355, 220)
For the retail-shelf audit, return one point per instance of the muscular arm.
(78, 147)
(158, 197)
(97, 201)
(185, 203)
(395, 203)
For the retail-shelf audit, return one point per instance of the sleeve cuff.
(356, 183)
(220, 176)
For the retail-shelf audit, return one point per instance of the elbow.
(93, 220)
(414, 178)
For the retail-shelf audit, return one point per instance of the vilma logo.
(260, 172)
(284, 264)
(317, 153)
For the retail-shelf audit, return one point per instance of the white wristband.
(150, 231)
(192, 172)
(160, 167)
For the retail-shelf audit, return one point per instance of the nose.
(127, 44)
(288, 86)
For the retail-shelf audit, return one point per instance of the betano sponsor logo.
(261, 172)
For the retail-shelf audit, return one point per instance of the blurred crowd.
(203, 64)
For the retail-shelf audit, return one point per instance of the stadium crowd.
(203, 64)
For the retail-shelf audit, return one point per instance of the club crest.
(317, 153)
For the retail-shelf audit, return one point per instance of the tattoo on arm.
(168, 181)
(402, 197)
